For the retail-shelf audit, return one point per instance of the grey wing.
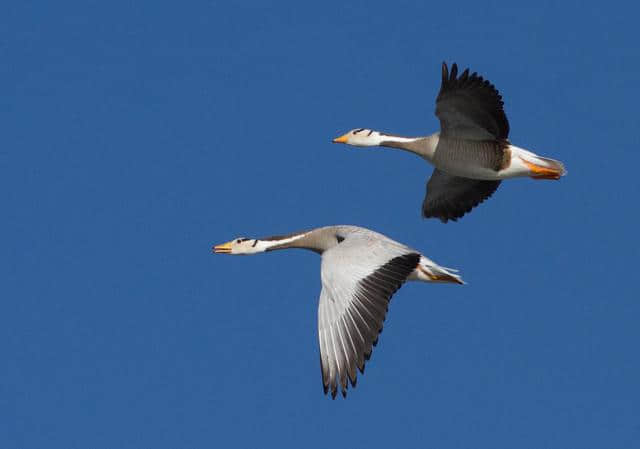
(450, 197)
(470, 107)
(357, 285)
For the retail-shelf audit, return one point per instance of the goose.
(471, 153)
(360, 271)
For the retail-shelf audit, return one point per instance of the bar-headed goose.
(471, 153)
(360, 271)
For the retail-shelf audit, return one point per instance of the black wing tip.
(446, 212)
(443, 218)
(343, 390)
(334, 391)
(454, 72)
(450, 75)
(443, 215)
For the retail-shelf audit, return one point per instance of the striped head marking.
(240, 245)
(360, 137)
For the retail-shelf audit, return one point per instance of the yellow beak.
(225, 248)
(341, 139)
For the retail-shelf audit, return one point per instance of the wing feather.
(470, 107)
(450, 197)
(353, 349)
(353, 304)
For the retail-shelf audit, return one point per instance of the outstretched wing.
(359, 276)
(450, 197)
(470, 107)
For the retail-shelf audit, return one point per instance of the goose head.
(361, 137)
(240, 245)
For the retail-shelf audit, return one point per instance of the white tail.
(429, 271)
(536, 167)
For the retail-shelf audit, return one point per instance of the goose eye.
(238, 241)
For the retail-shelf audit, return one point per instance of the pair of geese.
(361, 269)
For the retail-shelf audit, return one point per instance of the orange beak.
(341, 139)
(225, 248)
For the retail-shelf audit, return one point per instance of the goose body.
(360, 271)
(471, 153)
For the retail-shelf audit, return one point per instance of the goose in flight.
(360, 271)
(471, 153)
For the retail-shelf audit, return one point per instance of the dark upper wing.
(450, 197)
(470, 107)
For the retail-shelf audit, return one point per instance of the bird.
(360, 271)
(471, 153)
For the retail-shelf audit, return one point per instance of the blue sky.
(138, 134)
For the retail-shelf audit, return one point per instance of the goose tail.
(429, 271)
(541, 167)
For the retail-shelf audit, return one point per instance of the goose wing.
(470, 107)
(450, 197)
(359, 276)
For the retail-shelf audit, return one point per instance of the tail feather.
(436, 273)
(543, 167)
(441, 274)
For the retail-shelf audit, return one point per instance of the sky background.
(135, 135)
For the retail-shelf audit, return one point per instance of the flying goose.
(360, 271)
(471, 153)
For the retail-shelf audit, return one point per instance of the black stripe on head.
(358, 130)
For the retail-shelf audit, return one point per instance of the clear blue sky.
(137, 134)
